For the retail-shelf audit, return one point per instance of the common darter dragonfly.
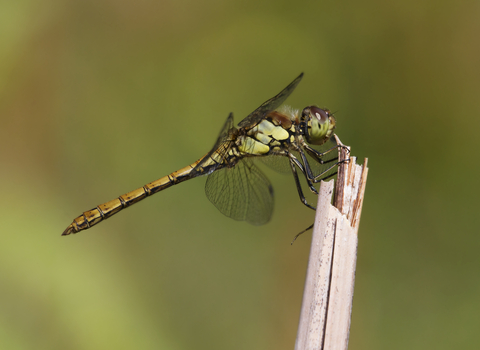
(235, 185)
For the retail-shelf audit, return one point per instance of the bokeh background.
(100, 97)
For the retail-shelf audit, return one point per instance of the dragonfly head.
(317, 125)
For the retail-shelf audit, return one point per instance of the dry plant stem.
(328, 295)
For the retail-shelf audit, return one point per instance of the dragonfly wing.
(257, 115)
(278, 163)
(218, 151)
(242, 193)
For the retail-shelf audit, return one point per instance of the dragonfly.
(235, 184)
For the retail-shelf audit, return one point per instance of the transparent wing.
(278, 163)
(257, 115)
(220, 147)
(242, 193)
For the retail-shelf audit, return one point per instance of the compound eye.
(318, 125)
(320, 114)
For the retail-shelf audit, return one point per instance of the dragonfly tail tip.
(70, 229)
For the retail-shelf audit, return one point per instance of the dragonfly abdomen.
(108, 209)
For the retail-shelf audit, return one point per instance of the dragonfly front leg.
(311, 179)
(318, 157)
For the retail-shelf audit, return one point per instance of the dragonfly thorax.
(316, 125)
(269, 133)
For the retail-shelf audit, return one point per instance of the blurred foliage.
(100, 97)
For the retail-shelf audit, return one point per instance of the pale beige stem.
(328, 295)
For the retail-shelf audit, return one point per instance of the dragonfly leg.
(311, 179)
(301, 167)
(308, 171)
(297, 182)
(318, 155)
(319, 177)
(298, 234)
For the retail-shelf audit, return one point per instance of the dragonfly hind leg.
(297, 183)
(303, 170)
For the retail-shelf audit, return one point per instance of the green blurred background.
(100, 97)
